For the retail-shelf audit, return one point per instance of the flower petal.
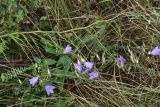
(93, 75)
(33, 81)
(78, 67)
(156, 51)
(49, 89)
(89, 64)
(121, 59)
(68, 49)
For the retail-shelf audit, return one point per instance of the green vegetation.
(34, 33)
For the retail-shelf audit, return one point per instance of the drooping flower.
(121, 59)
(156, 51)
(49, 89)
(78, 67)
(68, 49)
(93, 75)
(33, 81)
(89, 64)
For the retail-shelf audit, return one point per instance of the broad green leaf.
(53, 50)
(65, 61)
(49, 61)
(37, 60)
(62, 73)
(50, 50)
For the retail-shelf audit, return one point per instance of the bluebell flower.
(156, 51)
(49, 89)
(89, 64)
(78, 67)
(93, 75)
(68, 49)
(121, 59)
(33, 81)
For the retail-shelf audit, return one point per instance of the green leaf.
(37, 60)
(2, 47)
(62, 102)
(63, 73)
(50, 50)
(20, 15)
(30, 99)
(53, 50)
(60, 77)
(60, 82)
(65, 61)
(10, 21)
(102, 31)
(2, 10)
(49, 61)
